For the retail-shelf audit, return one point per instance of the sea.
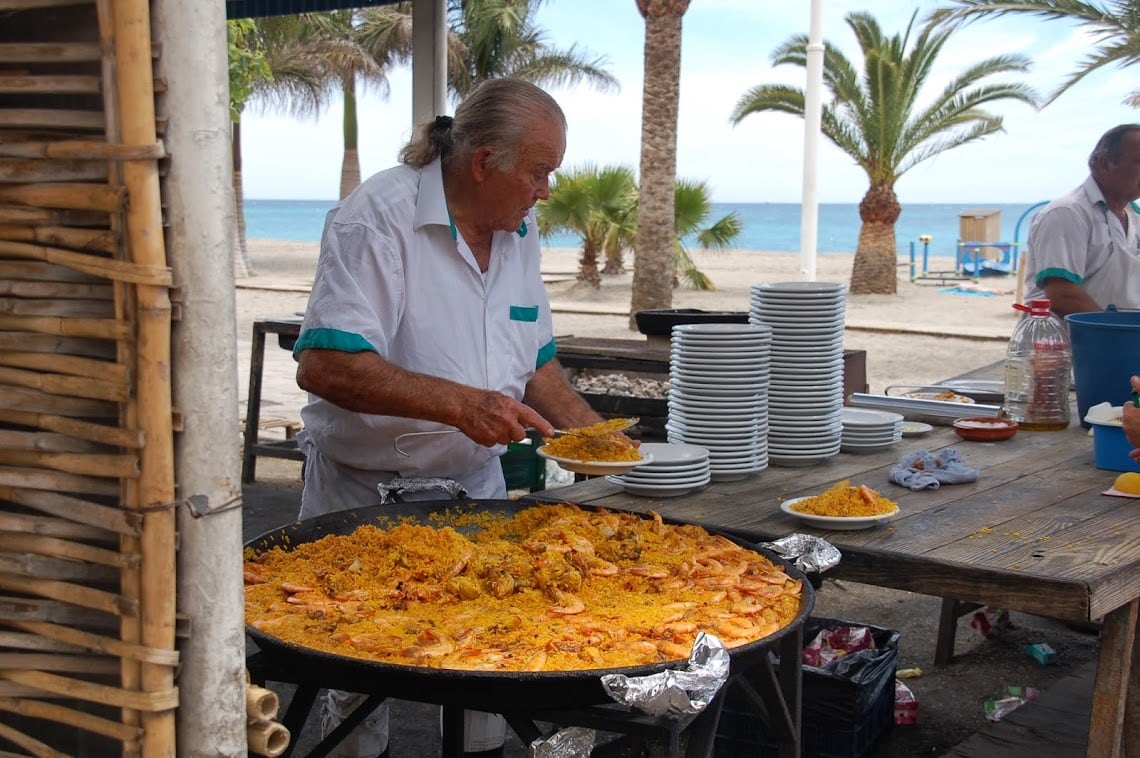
(767, 227)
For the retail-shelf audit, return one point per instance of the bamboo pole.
(48, 52)
(55, 481)
(38, 271)
(80, 240)
(105, 329)
(24, 5)
(64, 84)
(29, 523)
(261, 704)
(14, 609)
(29, 743)
(83, 430)
(41, 170)
(98, 643)
(61, 570)
(66, 592)
(58, 308)
(133, 273)
(46, 343)
(82, 511)
(63, 384)
(72, 195)
(133, 92)
(50, 711)
(100, 371)
(78, 664)
(157, 701)
(56, 290)
(74, 551)
(82, 150)
(18, 215)
(37, 440)
(37, 402)
(22, 641)
(270, 739)
(51, 118)
(120, 466)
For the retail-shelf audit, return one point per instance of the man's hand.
(1131, 417)
(491, 418)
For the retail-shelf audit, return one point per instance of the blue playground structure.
(971, 261)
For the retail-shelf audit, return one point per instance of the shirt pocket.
(526, 313)
(522, 329)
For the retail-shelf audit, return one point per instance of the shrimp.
(568, 604)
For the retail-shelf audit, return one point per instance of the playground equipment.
(972, 259)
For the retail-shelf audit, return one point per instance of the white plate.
(915, 428)
(652, 490)
(595, 468)
(836, 522)
(866, 417)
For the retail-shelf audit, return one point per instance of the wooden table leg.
(253, 405)
(1115, 690)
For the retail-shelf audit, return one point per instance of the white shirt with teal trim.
(394, 277)
(1078, 239)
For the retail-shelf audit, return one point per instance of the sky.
(726, 50)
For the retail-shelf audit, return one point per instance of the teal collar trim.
(1135, 207)
(522, 230)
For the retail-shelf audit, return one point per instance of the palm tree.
(877, 120)
(653, 270)
(247, 69)
(597, 204)
(692, 205)
(501, 39)
(313, 55)
(1116, 26)
(601, 207)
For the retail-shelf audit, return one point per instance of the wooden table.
(1033, 534)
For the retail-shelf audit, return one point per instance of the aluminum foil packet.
(675, 692)
(392, 491)
(808, 553)
(571, 742)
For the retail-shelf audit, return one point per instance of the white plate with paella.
(867, 508)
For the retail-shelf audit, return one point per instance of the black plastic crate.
(848, 707)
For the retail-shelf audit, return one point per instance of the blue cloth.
(922, 470)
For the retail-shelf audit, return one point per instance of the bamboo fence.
(87, 522)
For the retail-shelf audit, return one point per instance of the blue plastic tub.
(1106, 353)
(1111, 448)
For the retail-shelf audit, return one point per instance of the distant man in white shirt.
(1084, 248)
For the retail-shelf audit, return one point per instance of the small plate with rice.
(861, 502)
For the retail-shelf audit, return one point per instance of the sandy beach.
(918, 336)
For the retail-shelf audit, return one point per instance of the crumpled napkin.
(921, 470)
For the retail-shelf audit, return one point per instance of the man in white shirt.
(1084, 248)
(428, 313)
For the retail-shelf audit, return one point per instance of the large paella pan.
(495, 690)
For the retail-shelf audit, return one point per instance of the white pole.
(429, 59)
(809, 205)
(199, 205)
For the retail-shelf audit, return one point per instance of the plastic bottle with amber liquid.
(1038, 366)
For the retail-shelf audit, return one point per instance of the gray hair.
(1111, 144)
(498, 113)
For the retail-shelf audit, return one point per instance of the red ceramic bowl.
(985, 429)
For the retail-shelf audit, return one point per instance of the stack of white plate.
(867, 431)
(676, 469)
(805, 391)
(718, 395)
